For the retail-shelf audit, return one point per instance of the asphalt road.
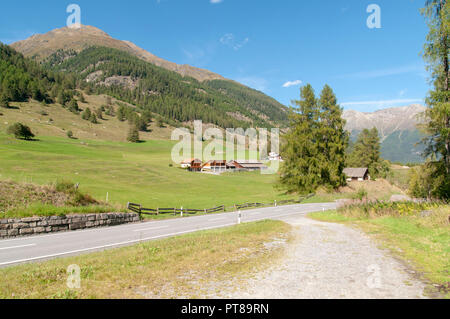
(38, 248)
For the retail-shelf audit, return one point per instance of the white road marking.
(111, 245)
(23, 246)
(217, 219)
(153, 228)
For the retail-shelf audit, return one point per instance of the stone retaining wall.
(10, 228)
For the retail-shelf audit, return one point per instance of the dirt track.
(329, 261)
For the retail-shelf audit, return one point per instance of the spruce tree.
(133, 134)
(367, 153)
(334, 139)
(301, 170)
(121, 114)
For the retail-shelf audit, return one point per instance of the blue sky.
(272, 45)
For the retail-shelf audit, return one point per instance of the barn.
(357, 174)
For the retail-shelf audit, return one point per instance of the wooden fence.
(137, 208)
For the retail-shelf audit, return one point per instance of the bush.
(77, 198)
(361, 194)
(93, 119)
(86, 114)
(4, 102)
(69, 134)
(20, 131)
(65, 187)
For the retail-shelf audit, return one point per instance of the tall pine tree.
(334, 139)
(436, 54)
(367, 153)
(314, 147)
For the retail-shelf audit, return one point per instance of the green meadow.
(140, 173)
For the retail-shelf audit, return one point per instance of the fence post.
(239, 217)
(235, 209)
(181, 211)
(224, 208)
(157, 211)
(205, 211)
(275, 203)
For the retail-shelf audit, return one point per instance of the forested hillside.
(22, 79)
(125, 77)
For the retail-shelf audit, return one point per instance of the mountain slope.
(397, 127)
(183, 99)
(178, 92)
(41, 46)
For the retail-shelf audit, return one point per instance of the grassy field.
(183, 266)
(422, 241)
(128, 173)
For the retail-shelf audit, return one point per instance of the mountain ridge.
(387, 121)
(41, 46)
(398, 129)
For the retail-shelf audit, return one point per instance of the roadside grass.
(380, 189)
(43, 210)
(19, 200)
(178, 267)
(137, 173)
(423, 240)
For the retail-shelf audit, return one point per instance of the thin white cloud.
(414, 68)
(230, 40)
(255, 82)
(383, 103)
(215, 1)
(292, 83)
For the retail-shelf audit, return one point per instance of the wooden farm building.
(194, 165)
(357, 174)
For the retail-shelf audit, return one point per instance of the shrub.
(69, 134)
(93, 119)
(65, 187)
(77, 198)
(86, 114)
(361, 194)
(20, 131)
(73, 107)
(4, 102)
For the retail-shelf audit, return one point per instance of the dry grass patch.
(169, 268)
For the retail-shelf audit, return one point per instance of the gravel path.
(329, 261)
